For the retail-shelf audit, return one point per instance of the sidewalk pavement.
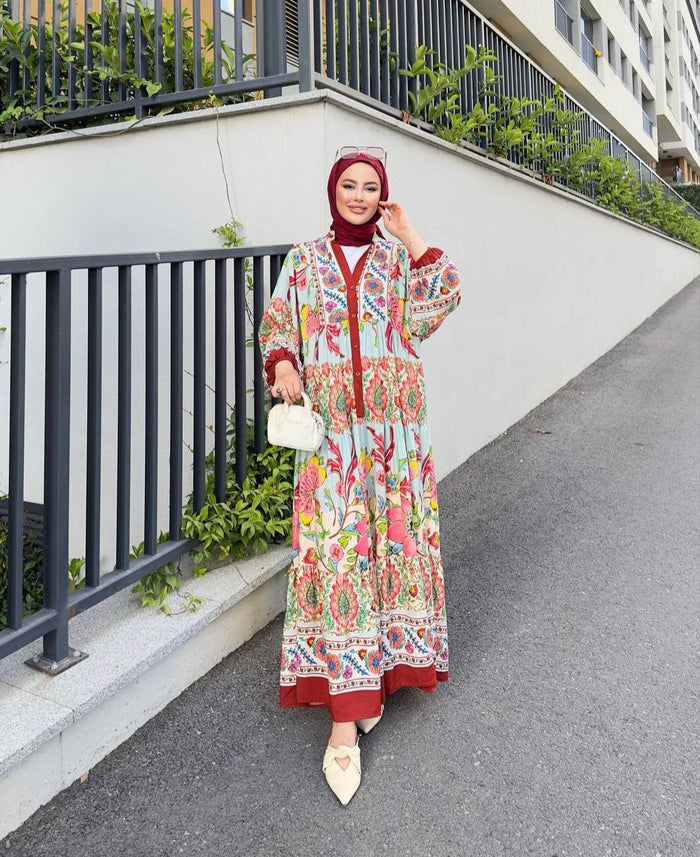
(570, 724)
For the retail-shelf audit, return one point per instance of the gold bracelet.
(413, 238)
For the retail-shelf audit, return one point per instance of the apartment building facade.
(635, 64)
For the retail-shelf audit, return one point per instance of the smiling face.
(357, 193)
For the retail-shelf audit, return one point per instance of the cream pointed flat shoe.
(368, 723)
(343, 783)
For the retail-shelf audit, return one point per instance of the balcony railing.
(588, 53)
(563, 22)
(644, 57)
(175, 291)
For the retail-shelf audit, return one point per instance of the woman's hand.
(397, 223)
(396, 220)
(287, 382)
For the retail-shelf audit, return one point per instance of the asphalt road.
(570, 726)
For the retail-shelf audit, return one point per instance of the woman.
(365, 599)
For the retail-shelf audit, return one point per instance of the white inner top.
(352, 254)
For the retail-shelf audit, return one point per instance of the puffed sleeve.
(279, 331)
(433, 292)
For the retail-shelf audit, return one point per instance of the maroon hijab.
(346, 232)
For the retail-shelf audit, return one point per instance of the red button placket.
(352, 280)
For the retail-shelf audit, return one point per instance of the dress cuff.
(273, 358)
(432, 254)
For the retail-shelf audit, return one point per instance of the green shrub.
(98, 66)
(542, 135)
(33, 588)
(253, 514)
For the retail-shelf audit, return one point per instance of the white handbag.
(295, 426)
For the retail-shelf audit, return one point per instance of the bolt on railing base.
(46, 665)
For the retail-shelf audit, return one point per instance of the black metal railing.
(183, 292)
(138, 58)
(357, 47)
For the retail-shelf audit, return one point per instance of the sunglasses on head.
(352, 151)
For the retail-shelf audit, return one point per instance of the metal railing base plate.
(46, 665)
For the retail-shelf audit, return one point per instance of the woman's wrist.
(283, 364)
(415, 245)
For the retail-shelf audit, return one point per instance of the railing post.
(411, 39)
(56, 655)
(270, 40)
(13, 65)
(306, 46)
(15, 533)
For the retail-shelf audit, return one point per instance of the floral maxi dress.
(365, 608)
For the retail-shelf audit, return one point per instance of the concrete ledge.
(56, 729)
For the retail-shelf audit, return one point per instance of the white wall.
(550, 283)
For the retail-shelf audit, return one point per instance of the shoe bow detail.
(342, 751)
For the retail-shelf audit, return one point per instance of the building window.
(589, 53)
(611, 52)
(563, 22)
(645, 50)
(248, 9)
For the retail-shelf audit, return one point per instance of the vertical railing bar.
(87, 59)
(26, 26)
(354, 47)
(151, 413)
(57, 459)
(238, 38)
(384, 24)
(93, 495)
(260, 64)
(104, 38)
(197, 43)
(177, 12)
(41, 45)
(435, 31)
(374, 56)
(418, 5)
(317, 35)
(330, 39)
(72, 69)
(158, 40)
(55, 57)
(276, 263)
(176, 363)
(364, 48)
(124, 419)
(240, 367)
(461, 40)
(394, 77)
(411, 46)
(307, 47)
(122, 48)
(258, 385)
(453, 59)
(15, 531)
(139, 66)
(400, 24)
(200, 345)
(220, 330)
(216, 23)
(342, 42)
